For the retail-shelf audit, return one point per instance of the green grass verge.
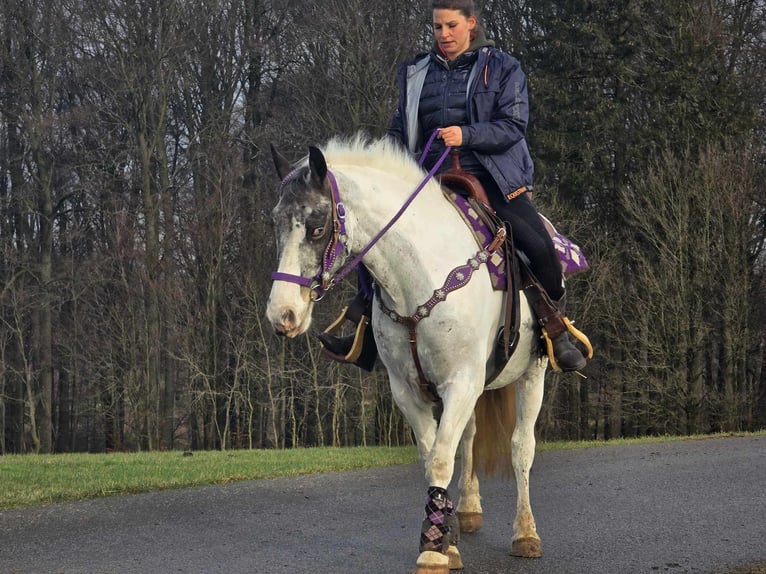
(759, 568)
(572, 445)
(28, 480)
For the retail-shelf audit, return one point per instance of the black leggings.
(530, 236)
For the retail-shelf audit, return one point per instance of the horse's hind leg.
(469, 511)
(529, 398)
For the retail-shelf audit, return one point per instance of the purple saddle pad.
(571, 256)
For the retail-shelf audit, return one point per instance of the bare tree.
(692, 280)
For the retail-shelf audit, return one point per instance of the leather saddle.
(460, 181)
(518, 275)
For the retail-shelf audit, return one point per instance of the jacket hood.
(479, 42)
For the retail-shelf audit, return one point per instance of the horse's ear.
(282, 165)
(318, 166)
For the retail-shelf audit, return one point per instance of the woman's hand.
(452, 136)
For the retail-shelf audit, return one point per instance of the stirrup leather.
(576, 333)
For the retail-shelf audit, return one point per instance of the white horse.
(333, 205)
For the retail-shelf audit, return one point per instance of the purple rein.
(324, 280)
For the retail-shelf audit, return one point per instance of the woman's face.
(452, 31)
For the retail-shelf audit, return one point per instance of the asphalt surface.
(691, 506)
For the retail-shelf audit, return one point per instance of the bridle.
(325, 279)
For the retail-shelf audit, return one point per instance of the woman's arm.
(501, 107)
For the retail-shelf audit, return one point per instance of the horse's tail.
(495, 416)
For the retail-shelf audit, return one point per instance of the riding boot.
(337, 345)
(359, 348)
(563, 354)
(568, 357)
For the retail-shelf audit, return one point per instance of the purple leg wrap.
(440, 527)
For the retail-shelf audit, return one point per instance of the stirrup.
(577, 334)
(356, 348)
(363, 350)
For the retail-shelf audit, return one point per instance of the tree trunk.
(44, 313)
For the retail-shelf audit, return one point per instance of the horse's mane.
(383, 154)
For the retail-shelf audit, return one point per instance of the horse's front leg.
(420, 416)
(441, 530)
(529, 398)
(469, 510)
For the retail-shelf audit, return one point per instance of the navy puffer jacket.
(498, 112)
(443, 103)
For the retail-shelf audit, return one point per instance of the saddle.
(516, 270)
(460, 182)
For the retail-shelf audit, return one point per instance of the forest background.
(136, 187)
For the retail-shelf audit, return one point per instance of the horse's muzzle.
(286, 323)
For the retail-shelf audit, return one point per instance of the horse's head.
(303, 224)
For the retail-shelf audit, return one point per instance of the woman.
(476, 97)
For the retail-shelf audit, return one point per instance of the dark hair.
(466, 7)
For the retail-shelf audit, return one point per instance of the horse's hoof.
(470, 521)
(455, 561)
(527, 548)
(430, 562)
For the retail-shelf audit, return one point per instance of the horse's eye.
(317, 233)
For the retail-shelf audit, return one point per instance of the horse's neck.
(416, 254)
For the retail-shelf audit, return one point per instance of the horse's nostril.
(288, 319)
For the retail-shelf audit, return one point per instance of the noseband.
(325, 279)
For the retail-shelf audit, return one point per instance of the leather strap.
(457, 278)
(548, 315)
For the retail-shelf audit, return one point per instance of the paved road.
(693, 506)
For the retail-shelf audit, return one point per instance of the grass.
(574, 445)
(759, 568)
(28, 480)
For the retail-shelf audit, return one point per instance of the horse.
(352, 201)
